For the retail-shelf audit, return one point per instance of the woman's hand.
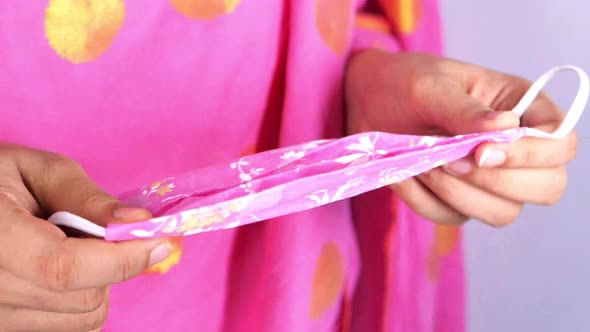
(420, 94)
(50, 282)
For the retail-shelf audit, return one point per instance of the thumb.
(459, 113)
(60, 184)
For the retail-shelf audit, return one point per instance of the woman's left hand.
(419, 94)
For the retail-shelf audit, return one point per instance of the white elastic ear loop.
(577, 107)
(71, 220)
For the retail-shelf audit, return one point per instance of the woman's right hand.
(48, 281)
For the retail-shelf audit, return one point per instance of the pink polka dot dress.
(140, 90)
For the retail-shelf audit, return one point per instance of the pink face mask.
(293, 179)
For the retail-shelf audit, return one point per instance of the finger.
(26, 320)
(505, 92)
(502, 91)
(60, 184)
(528, 152)
(469, 200)
(12, 186)
(542, 114)
(459, 113)
(19, 293)
(544, 186)
(38, 252)
(423, 202)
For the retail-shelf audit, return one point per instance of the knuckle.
(55, 163)
(442, 186)
(488, 178)
(57, 270)
(524, 157)
(7, 195)
(90, 199)
(514, 88)
(421, 86)
(123, 269)
(95, 320)
(12, 207)
(557, 187)
(92, 299)
(521, 85)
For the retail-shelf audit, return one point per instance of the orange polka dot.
(204, 9)
(172, 260)
(163, 190)
(405, 14)
(328, 279)
(249, 150)
(81, 31)
(372, 22)
(333, 19)
(446, 239)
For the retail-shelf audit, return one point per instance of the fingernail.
(160, 253)
(495, 115)
(127, 212)
(492, 158)
(505, 117)
(458, 167)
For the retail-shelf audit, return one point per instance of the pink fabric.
(284, 181)
(138, 90)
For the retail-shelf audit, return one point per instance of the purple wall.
(535, 274)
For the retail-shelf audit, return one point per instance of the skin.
(51, 282)
(48, 281)
(410, 93)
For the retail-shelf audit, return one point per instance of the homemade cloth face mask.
(293, 179)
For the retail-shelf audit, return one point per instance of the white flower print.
(365, 148)
(349, 184)
(246, 177)
(427, 140)
(174, 197)
(322, 196)
(313, 144)
(293, 155)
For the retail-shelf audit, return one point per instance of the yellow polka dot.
(82, 30)
(334, 23)
(204, 9)
(163, 190)
(328, 279)
(172, 260)
(405, 14)
(372, 22)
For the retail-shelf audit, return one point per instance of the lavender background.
(535, 274)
